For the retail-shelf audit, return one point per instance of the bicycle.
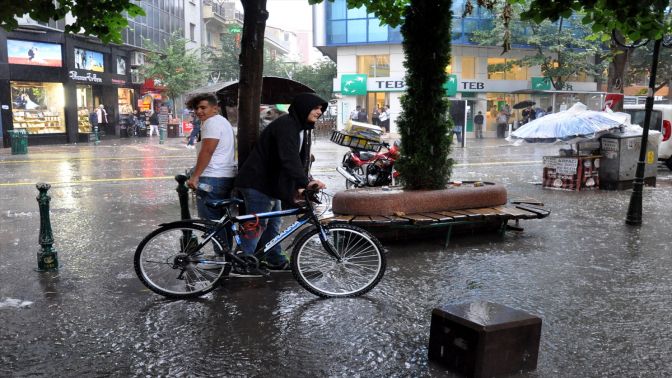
(336, 260)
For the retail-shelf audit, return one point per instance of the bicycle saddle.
(218, 204)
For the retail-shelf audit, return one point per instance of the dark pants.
(501, 130)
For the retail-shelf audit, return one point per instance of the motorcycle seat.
(367, 155)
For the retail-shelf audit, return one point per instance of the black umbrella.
(524, 104)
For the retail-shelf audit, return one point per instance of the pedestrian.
(375, 115)
(363, 116)
(502, 122)
(275, 172)
(153, 123)
(384, 116)
(195, 130)
(93, 119)
(101, 116)
(213, 175)
(354, 115)
(478, 123)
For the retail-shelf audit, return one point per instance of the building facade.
(370, 71)
(50, 82)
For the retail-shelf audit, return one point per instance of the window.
(504, 69)
(468, 67)
(374, 65)
(192, 32)
(38, 107)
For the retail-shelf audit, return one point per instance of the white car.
(661, 120)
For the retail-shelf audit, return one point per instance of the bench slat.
(456, 216)
(438, 217)
(516, 213)
(419, 219)
(361, 219)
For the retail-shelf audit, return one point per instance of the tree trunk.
(617, 66)
(251, 68)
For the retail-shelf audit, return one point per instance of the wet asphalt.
(601, 287)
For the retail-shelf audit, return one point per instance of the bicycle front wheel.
(359, 270)
(165, 261)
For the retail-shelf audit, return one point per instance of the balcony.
(224, 13)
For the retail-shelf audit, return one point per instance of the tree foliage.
(100, 18)
(562, 49)
(424, 123)
(635, 20)
(176, 67)
(319, 76)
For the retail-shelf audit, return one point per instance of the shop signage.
(389, 84)
(74, 75)
(117, 81)
(541, 83)
(353, 85)
(451, 86)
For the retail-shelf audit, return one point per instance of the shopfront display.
(571, 172)
(125, 101)
(38, 107)
(85, 106)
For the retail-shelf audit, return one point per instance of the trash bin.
(620, 154)
(19, 141)
(173, 130)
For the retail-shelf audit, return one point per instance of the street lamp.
(634, 216)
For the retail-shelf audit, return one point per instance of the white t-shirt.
(222, 163)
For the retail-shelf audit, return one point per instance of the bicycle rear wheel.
(166, 263)
(361, 267)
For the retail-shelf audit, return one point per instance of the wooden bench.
(516, 210)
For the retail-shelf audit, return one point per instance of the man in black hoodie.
(277, 169)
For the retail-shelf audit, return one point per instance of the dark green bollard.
(96, 136)
(162, 134)
(183, 195)
(47, 258)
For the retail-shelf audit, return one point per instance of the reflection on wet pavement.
(601, 287)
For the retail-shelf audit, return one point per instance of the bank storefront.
(487, 96)
(50, 83)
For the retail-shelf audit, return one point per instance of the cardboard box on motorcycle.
(363, 130)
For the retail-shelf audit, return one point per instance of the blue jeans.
(221, 189)
(258, 202)
(194, 134)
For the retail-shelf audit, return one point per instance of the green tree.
(640, 65)
(562, 49)
(100, 18)
(223, 63)
(319, 76)
(177, 68)
(424, 124)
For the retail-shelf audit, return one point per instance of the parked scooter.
(363, 168)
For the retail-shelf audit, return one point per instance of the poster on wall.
(28, 97)
(121, 65)
(34, 53)
(89, 60)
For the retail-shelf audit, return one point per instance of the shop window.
(505, 69)
(192, 32)
(38, 107)
(468, 67)
(374, 65)
(85, 107)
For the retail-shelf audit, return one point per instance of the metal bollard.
(188, 239)
(162, 134)
(183, 195)
(47, 258)
(96, 135)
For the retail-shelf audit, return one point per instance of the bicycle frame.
(307, 215)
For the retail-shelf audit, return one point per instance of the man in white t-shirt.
(215, 169)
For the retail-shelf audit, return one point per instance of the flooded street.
(602, 288)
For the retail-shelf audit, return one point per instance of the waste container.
(19, 141)
(173, 130)
(620, 153)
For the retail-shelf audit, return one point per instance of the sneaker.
(282, 267)
(246, 272)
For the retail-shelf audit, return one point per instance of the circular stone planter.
(396, 201)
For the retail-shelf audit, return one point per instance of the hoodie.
(276, 164)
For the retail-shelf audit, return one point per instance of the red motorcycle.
(363, 168)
